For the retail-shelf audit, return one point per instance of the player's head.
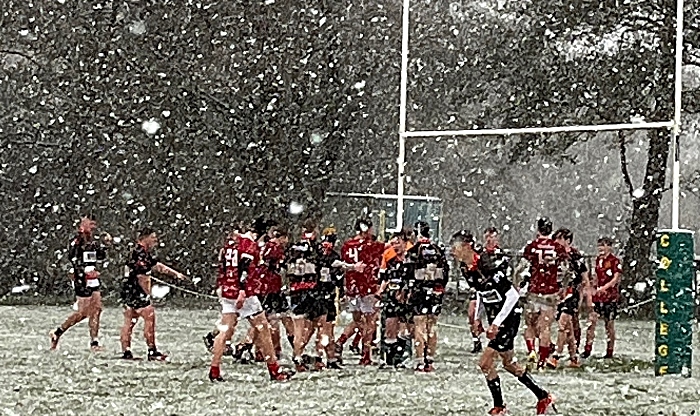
(329, 237)
(544, 226)
(605, 246)
(87, 226)
(363, 226)
(279, 235)
(491, 237)
(147, 237)
(462, 244)
(564, 236)
(259, 226)
(398, 241)
(422, 229)
(308, 230)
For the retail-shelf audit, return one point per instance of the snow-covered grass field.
(73, 381)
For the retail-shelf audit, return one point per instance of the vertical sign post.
(674, 302)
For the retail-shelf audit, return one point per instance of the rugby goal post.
(674, 124)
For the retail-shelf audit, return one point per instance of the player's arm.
(145, 283)
(75, 255)
(511, 299)
(614, 282)
(162, 268)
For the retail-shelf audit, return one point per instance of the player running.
(428, 277)
(237, 259)
(84, 253)
(499, 299)
(547, 259)
(606, 293)
(567, 310)
(136, 294)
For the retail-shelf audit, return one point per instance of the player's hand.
(492, 332)
(92, 275)
(240, 300)
(107, 239)
(359, 267)
(181, 276)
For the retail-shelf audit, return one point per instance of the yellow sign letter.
(663, 328)
(664, 241)
(662, 308)
(663, 350)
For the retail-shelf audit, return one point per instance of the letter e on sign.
(664, 241)
(663, 328)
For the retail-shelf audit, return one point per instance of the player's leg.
(431, 342)
(391, 335)
(576, 325)
(420, 335)
(354, 327)
(563, 324)
(275, 332)
(73, 319)
(488, 368)
(590, 331)
(229, 320)
(94, 319)
(544, 329)
(149, 332)
(264, 341)
(130, 319)
(610, 316)
(369, 328)
(544, 399)
(532, 315)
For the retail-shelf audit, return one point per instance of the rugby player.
(470, 272)
(428, 277)
(84, 253)
(136, 294)
(499, 299)
(238, 259)
(547, 259)
(606, 293)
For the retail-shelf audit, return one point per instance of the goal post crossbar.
(536, 130)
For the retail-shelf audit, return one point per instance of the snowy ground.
(73, 381)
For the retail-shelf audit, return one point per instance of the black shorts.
(306, 303)
(606, 310)
(424, 303)
(134, 297)
(569, 307)
(83, 291)
(507, 332)
(274, 303)
(393, 308)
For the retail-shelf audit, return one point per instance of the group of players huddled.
(274, 282)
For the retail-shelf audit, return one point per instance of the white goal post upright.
(674, 124)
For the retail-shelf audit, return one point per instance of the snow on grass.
(36, 381)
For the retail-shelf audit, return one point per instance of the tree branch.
(23, 55)
(623, 162)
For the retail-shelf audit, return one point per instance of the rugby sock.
(59, 331)
(290, 338)
(495, 387)
(544, 354)
(528, 382)
(530, 345)
(342, 340)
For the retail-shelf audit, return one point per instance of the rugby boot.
(300, 365)
(215, 375)
(366, 358)
(155, 355)
(96, 347)
(587, 350)
(55, 335)
(209, 342)
(127, 355)
(498, 411)
(574, 362)
(428, 367)
(277, 373)
(259, 357)
(318, 365)
(545, 405)
(477, 346)
(552, 362)
(531, 360)
(334, 365)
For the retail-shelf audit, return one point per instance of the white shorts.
(537, 303)
(364, 304)
(251, 307)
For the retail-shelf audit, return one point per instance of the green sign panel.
(674, 302)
